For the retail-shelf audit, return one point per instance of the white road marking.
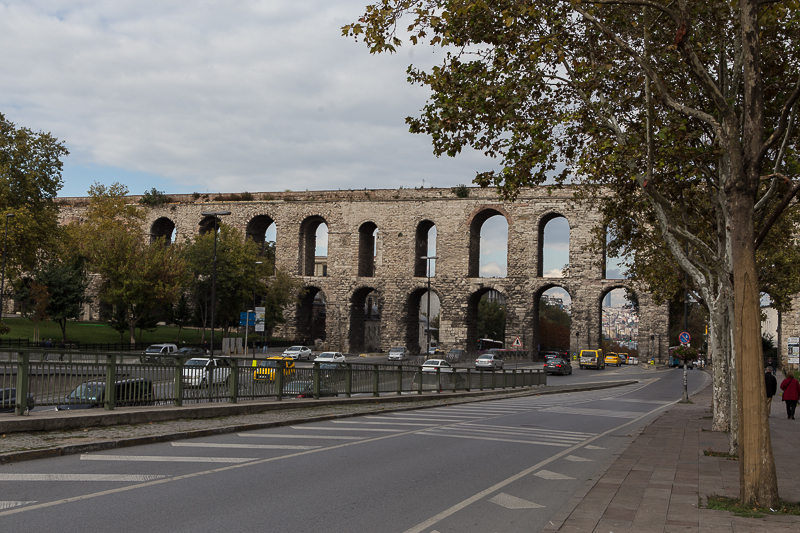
(549, 431)
(10, 504)
(512, 502)
(591, 447)
(475, 437)
(166, 459)
(536, 434)
(292, 436)
(593, 412)
(77, 477)
(347, 429)
(244, 446)
(417, 418)
(657, 402)
(576, 459)
(546, 474)
(382, 423)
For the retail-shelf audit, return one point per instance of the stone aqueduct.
(397, 275)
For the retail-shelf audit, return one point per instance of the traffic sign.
(517, 343)
(685, 338)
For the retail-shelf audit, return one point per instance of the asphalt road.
(505, 465)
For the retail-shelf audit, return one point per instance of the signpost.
(259, 318)
(517, 343)
(685, 338)
(794, 350)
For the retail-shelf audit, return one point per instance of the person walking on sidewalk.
(772, 387)
(791, 393)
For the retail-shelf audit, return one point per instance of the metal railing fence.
(71, 379)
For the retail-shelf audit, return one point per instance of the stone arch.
(163, 228)
(421, 247)
(206, 225)
(311, 315)
(366, 249)
(308, 244)
(543, 221)
(256, 231)
(411, 318)
(471, 317)
(537, 344)
(475, 225)
(599, 305)
(365, 315)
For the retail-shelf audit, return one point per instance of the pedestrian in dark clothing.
(791, 393)
(772, 387)
(771, 365)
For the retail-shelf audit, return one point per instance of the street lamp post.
(428, 259)
(215, 215)
(254, 307)
(3, 282)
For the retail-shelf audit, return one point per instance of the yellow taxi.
(612, 359)
(264, 369)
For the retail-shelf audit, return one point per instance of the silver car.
(298, 352)
(198, 372)
(488, 360)
(330, 357)
(398, 353)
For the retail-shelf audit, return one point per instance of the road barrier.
(72, 379)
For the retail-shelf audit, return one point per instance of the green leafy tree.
(33, 299)
(554, 327)
(491, 319)
(182, 314)
(66, 281)
(118, 320)
(683, 108)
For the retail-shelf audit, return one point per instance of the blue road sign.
(685, 338)
(245, 320)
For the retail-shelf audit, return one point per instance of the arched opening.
(365, 320)
(613, 259)
(262, 230)
(553, 256)
(162, 228)
(311, 316)
(488, 245)
(553, 324)
(620, 321)
(417, 325)
(424, 246)
(367, 234)
(486, 320)
(313, 247)
(207, 225)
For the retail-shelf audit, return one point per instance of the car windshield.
(153, 349)
(196, 362)
(295, 349)
(87, 391)
(327, 355)
(485, 357)
(397, 349)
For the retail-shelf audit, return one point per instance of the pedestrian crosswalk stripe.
(434, 433)
(166, 459)
(613, 413)
(10, 504)
(576, 459)
(294, 436)
(244, 446)
(591, 447)
(538, 434)
(419, 418)
(326, 428)
(549, 431)
(512, 502)
(657, 402)
(78, 477)
(546, 474)
(381, 423)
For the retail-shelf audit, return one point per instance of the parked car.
(197, 372)
(330, 357)
(265, 368)
(456, 355)
(127, 392)
(592, 359)
(432, 365)
(612, 359)
(8, 400)
(556, 365)
(332, 371)
(298, 352)
(157, 353)
(398, 353)
(488, 360)
(305, 389)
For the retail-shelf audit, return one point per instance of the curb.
(72, 449)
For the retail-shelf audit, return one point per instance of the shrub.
(461, 191)
(154, 197)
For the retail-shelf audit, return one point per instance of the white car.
(431, 365)
(488, 360)
(330, 357)
(632, 361)
(298, 352)
(398, 353)
(198, 371)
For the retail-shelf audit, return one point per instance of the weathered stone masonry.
(402, 218)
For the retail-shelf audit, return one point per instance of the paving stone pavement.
(661, 481)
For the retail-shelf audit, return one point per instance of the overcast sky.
(223, 97)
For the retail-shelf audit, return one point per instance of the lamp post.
(3, 282)
(216, 215)
(428, 259)
(254, 307)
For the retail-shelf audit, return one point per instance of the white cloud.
(493, 270)
(555, 273)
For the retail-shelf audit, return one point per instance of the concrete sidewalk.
(661, 481)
